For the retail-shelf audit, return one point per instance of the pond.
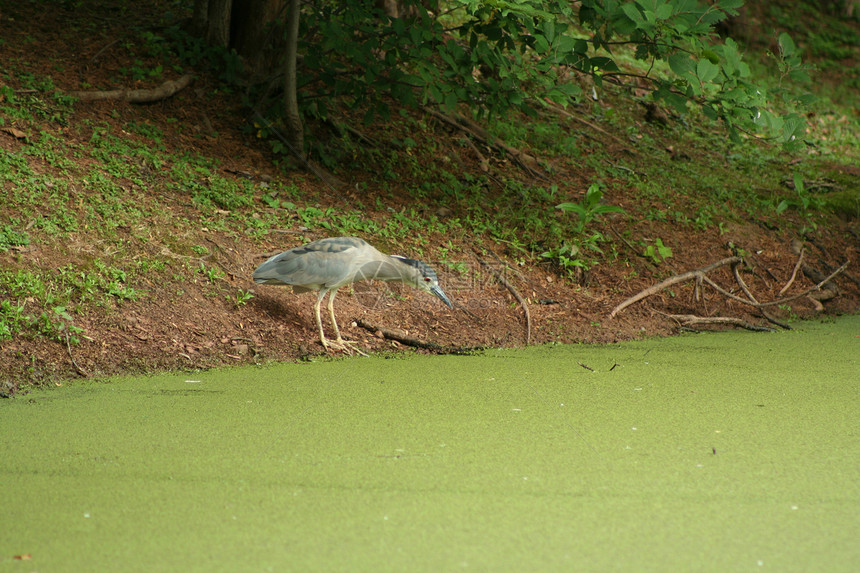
(712, 452)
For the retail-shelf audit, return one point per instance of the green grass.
(32, 296)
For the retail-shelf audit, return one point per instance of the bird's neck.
(388, 269)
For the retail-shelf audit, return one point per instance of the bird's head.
(421, 276)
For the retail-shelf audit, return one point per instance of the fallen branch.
(484, 162)
(691, 320)
(393, 335)
(514, 292)
(163, 91)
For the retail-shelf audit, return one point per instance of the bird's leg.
(320, 296)
(340, 343)
(344, 345)
(331, 314)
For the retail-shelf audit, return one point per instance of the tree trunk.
(292, 116)
(406, 9)
(218, 25)
(200, 19)
(255, 33)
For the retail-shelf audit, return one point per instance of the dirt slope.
(182, 324)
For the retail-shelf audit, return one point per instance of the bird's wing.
(325, 263)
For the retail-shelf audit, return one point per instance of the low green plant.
(139, 72)
(577, 251)
(12, 319)
(589, 209)
(272, 200)
(56, 323)
(214, 275)
(113, 281)
(805, 203)
(240, 298)
(658, 252)
(10, 237)
(792, 316)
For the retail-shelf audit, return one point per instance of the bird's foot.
(343, 345)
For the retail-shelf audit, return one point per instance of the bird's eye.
(426, 279)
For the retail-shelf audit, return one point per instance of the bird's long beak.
(441, 294)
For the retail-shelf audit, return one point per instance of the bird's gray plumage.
(328, 264)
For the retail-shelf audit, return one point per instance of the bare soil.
(163, 330)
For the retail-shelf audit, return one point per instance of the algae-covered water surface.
(718, 452)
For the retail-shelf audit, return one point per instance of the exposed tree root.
(528, 163)
(823, 290)
(698, 274)
(163, 91)
(77, 368)
(604, 134)
(794, 272)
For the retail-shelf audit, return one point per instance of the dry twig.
(817, 287)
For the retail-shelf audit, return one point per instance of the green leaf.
(734, 135)
(807, 99)
(541, 45)
(664, 11)
(799, 76)
(677, 101)
(571, 207)
(711, 56)
(681, 64)
(730, 6)
(786, 45)
(564, 93)
(706, 71)
(632, 12)
(798, 183)
(548, 27)
(593, 195)
(451, 101)
(665, 251)
(604, 64)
